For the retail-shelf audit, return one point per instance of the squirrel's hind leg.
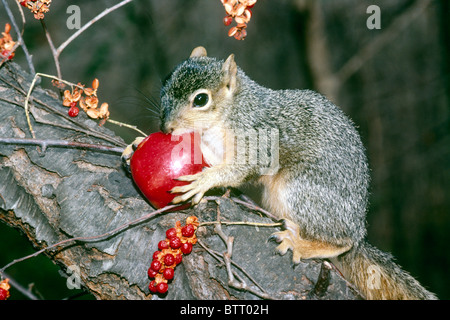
(302, 248)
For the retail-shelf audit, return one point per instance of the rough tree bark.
(52, 194)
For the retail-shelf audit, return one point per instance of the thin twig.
(234, 280)
(219, 258)
(246, 223)
(27, 98)
(20, 8)
(19, 37)
(121, 124)
(60, 143)
(256, 208)
(87, 25)
(52, 48)
(27, 114)
(91, 239)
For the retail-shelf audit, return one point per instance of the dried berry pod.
(192, 220)
(104, 113)
(232, 31)
(95, 84)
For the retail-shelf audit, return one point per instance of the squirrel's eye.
(200, 100)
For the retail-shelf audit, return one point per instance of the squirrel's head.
(197, 93)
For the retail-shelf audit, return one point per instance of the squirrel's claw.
(288, 239)
(195, 190)
(128, 152)
(191, 177)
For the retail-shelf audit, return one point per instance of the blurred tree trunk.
(317, 50)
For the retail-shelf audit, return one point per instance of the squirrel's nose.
(166, 127)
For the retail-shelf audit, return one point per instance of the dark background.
(393, 82)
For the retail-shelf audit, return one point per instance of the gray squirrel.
(319, 187)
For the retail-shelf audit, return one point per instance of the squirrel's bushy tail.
(378, 277)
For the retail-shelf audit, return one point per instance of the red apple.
(160, 159)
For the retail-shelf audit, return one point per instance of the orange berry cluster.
(89, 102)
(6, 44)
(37, 7)
(4, 289)
(239, 10)
(179, 241)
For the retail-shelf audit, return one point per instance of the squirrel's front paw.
(195, 190)
(288, 239)
(128, 152)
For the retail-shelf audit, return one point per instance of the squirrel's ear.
(229, 68)
(198, 52)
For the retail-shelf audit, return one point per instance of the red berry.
(178, 258)
(172, 232)
(73, 111)
(156, 255)
(227, 20)
(156, 265)
(186, 248)
(163, 245)
(168, 273)
(23, 3)
(188, 230)
(175, 243)
(162, 287)
(73, 104)
(169, 259)
(3, 294)
(151, 273)
(152, 286)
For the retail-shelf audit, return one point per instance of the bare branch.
(87, 25)
(45, 143)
